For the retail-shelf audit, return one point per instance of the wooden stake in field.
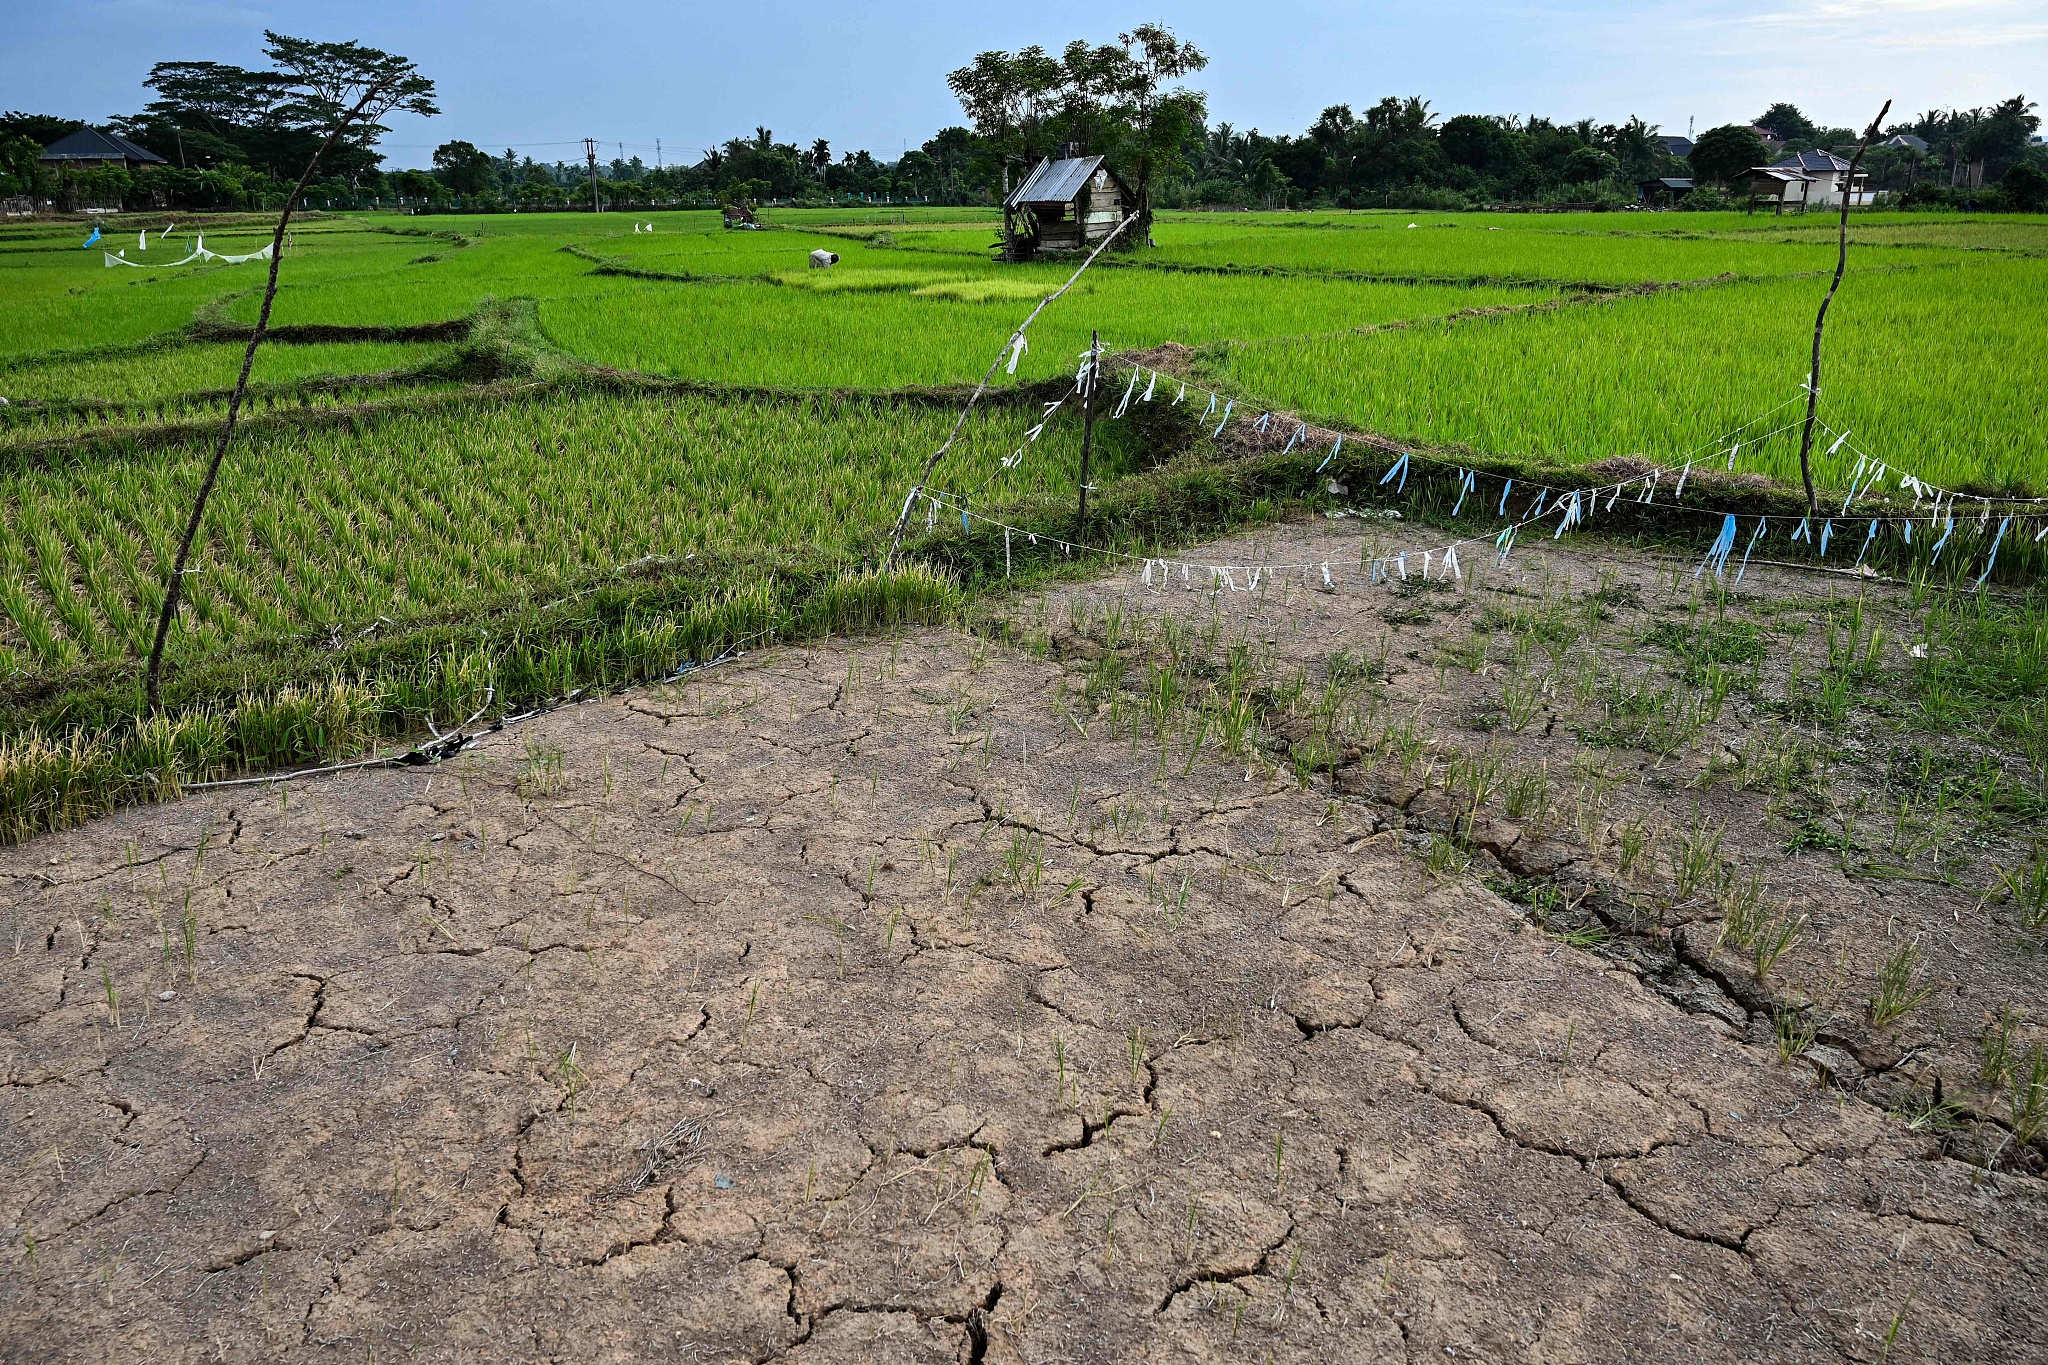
(328, 73)
(1821, 319)
(1088, 386)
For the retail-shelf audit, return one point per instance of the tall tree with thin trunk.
(1820, 320)
(340, 85)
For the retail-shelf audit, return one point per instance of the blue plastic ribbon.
(1996, 541)
(1718, 552)
(1754, 537)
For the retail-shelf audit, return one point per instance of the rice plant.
(1900, 988)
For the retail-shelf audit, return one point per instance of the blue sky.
(872, 74)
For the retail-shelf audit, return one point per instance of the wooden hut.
(1066, 205)
(1666, 190)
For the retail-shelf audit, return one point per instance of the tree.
(355, 86)
(18, 163)
(1484, 144)
(1635, 145)
(1788, 124)
(1722, 154)
(1590, 165)
(2001, 136)
(2026, 188)
(1009, 99)
(41, 129)
(1152, 123)
(465, 168)
(1113, 99)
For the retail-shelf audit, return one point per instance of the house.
(1680, 147)
(1668, 190)
(1805, 180)
(1772, 142)
(88, 149)
(1906, 141)
(1070, 204)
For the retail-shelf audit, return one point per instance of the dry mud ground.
(934, 999)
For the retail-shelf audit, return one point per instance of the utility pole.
(1088, 426)
(590, 154)
(657, 154)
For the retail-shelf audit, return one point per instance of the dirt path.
(935, 1000)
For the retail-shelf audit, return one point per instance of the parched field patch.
(1157, 972)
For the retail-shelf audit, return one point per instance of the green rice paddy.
(444, 432)
(1914, 366)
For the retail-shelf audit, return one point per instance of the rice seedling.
(1900, 989)
(1632, 841)
(1995, 1047)
(2027, 1097)
(1521, 697)
(1774, 939)
(1795, 1031)
(1526, 795)
(1445, 857)
(1699, 860)
(2026, 888)
(540, 771)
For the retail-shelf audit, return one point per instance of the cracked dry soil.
(884, 1002)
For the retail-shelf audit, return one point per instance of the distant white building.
(1806, 180)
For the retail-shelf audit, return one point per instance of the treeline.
(1399, 154)
(755, 169)
(236, 138)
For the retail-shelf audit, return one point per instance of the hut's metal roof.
(93, 144)
(1055, 182)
